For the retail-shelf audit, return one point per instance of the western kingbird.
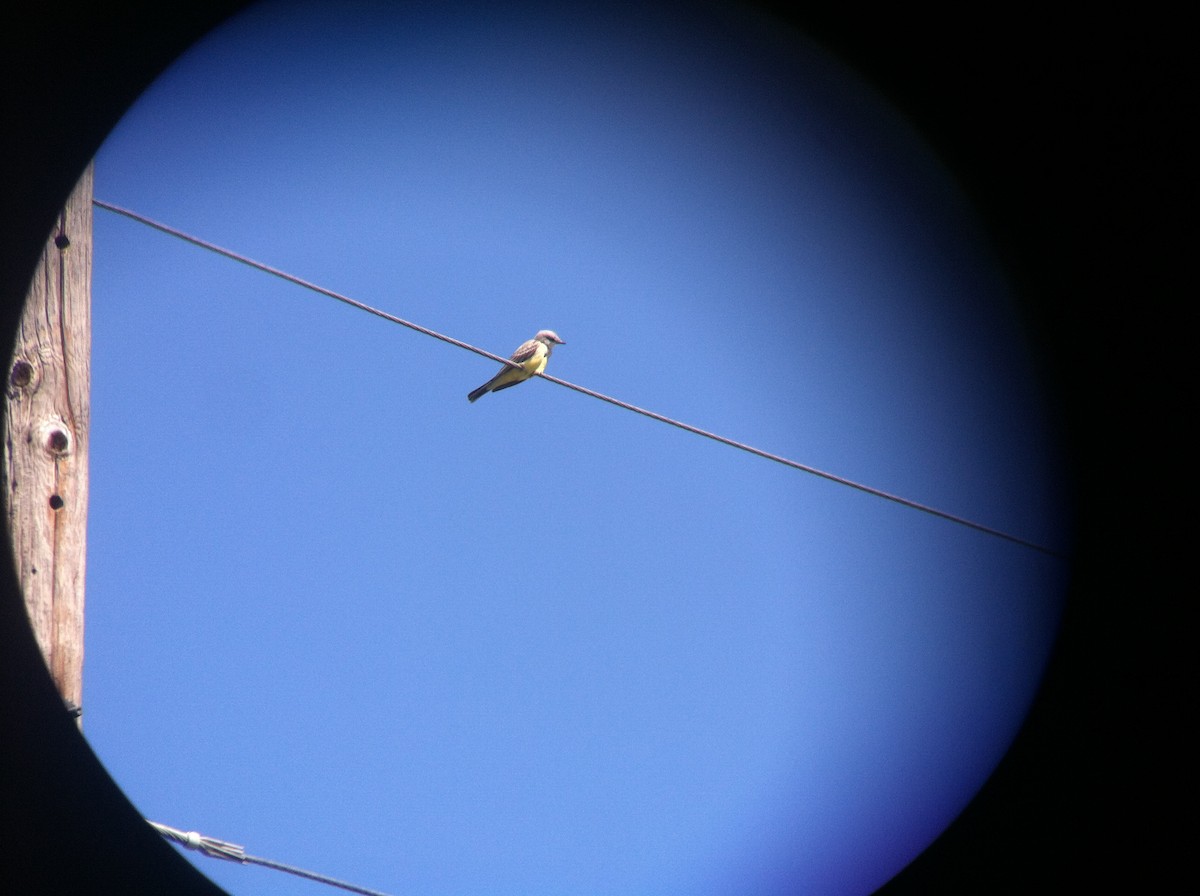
(532, 357)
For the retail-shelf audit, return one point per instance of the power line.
(292, 278)
(232, 852)
(687, 427)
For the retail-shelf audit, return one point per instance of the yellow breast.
(537, 363)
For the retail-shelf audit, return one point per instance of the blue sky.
(539, 644)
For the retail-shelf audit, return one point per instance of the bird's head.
(548, 336)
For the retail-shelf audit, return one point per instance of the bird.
(532, 357)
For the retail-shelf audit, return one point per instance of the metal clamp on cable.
(210, 846)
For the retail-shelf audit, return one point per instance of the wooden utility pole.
(46, 441)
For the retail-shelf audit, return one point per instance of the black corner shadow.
(1050, 125)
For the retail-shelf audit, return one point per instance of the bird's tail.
(475, 395)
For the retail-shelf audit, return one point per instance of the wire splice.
(232, 852)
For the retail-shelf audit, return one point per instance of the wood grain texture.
(46, 441)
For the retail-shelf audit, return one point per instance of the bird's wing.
(526, 351)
